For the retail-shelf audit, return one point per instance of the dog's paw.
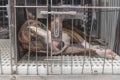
(96, 47)
(105, 53)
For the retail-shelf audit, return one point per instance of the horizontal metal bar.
(4, 6)
(42, 51)
(31, 6)
(53, 12)
(88, 7)
(60, 77)
(52, 59)
(79, 7)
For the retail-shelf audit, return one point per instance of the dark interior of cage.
(4, 30)
(79, 26)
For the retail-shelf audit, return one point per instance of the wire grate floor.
(56, 64)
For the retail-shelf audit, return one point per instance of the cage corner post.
(13, 36)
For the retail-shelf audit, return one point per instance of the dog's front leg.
(101, 52)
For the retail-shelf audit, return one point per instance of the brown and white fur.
(107, 53)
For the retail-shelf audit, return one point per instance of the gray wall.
(109, 22)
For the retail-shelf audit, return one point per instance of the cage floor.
(55, 64)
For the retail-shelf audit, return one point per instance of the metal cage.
(97, 18)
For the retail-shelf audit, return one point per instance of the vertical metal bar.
(61, 46)
(1, 61)
(11, 26)
(84, 53)
(61, 2)
(112, 32)
(29, 52)
(54, 19)
(52, 46)
(28, 60)
(47, 2)
(51, 2)
(58, 24)
(99, 19)
(12, 30)
(105, 40)
(110, 22)
(91, 28)
(72, 50)
(47, 45)
(47, 41)
(15, 53)
(36, 51)
(115, 24)
(83, 2)
(85, 40)
(36, 41)
(72, 2)
(10, 35)
(3, 15)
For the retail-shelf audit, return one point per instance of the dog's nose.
(60, 45)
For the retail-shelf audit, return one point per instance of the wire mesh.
(92, 17)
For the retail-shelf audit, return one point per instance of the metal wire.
(72, 50)
(36, 42)
(51, 2)
(28, 60)
(11, 28)
(16, 50)
(3, 15)
(112, 3)
(91, 28)
(47, 37)
(72, 2)
(84, 26)
(11, 47)
(105, 46)
(61, 47)
(3, 6)
(72, 7)
(47, 46)
(1, 62)
(61, 2)
(47, 4)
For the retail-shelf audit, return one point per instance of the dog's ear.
(30, 16)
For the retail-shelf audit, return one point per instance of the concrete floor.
(63, 77)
